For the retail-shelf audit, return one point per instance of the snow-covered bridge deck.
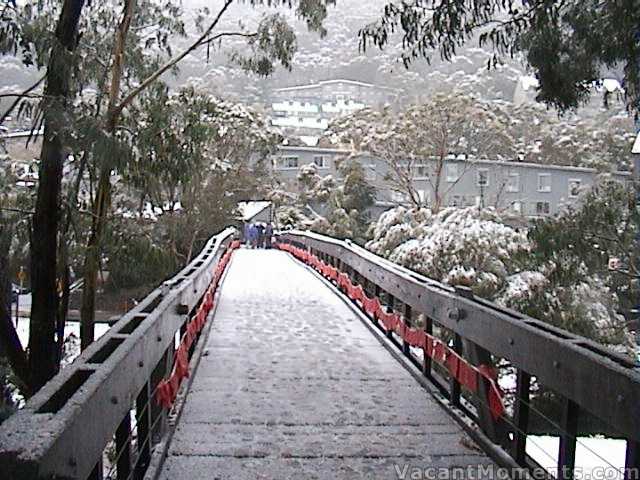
(292, 384)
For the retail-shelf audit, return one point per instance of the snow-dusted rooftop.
(333, 82)
(636, 145)
(24, 133)
(248, 210)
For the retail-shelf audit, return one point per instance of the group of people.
(258, 235)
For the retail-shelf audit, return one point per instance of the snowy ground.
(597, 458)
(71, 329)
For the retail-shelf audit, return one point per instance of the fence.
(462, 337)
(109, 402)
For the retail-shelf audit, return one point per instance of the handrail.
(587, 375)
(63, 429)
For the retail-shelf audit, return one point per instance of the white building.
(306, 110)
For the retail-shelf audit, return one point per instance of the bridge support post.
(157, 413)
(96, 473)
(406, 348)
(480, 356)
(567, 450)
(390, 309)
(632, 461)
(454, 384)
(123, 448)
(521, 417)
(426, 364)
(143, 415)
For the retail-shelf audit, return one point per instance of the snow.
(248, 210)
(611, 85)
(70, 329)
(331, 82)
(529, 82)
(23, 133)
(309, 140)
(596, 457)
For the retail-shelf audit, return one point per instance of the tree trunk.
(102, 202)
(437, 194)
(42, 346)
(10, 345)
(92, 259)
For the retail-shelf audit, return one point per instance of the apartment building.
(307, 109)
(518, 189)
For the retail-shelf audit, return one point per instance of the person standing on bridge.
(246, 234)
(268, 235)
(253, 236)
(260, 227)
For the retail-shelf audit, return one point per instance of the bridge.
(317, 359)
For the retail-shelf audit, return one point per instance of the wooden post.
(123, 448)
(426, 364)
(567, 450)
(96, 473)
(390, 309)
(406, 348)
(632, 461)
(143, 416)
(480, 356)
(521, 417)
(454, 385)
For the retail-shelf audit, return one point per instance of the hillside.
(335, 56)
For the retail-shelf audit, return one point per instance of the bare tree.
(419, 141)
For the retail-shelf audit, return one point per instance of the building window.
(422, 171)
(289, 162)
(544, 182)
(574, 187)
(543, 208)
(513, 183)
(457, 201)
(321, 161)
(483, 177)
(453, 174)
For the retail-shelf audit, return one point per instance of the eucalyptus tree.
(272, 42)
(569, 44)
(130, 54)
(195, 157)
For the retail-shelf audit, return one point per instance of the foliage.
(347, 204)
(195, 157)
(556, 272)
(455, 246)
(567, 43)
(577, 246)
(135, 259)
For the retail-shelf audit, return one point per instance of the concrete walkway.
(293, 385)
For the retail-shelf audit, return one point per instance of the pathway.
(293, 385)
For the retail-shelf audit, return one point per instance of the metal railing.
(586, 378)
(102, 405)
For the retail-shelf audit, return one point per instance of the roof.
(331, 82)
(542, 166)
(23, 134)
(249, 210)
(287, 148)
(636, 145)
